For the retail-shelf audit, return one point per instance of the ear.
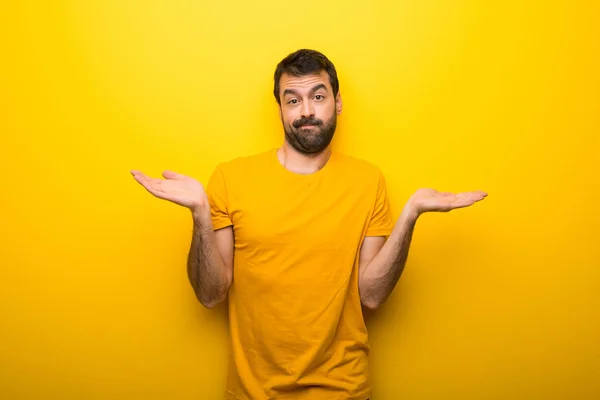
(280, 114)
(338, 103)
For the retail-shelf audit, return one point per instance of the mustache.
(306, 121)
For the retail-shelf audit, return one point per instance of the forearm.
(379, 277)
(206, 270)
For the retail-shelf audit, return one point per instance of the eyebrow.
(314, 89)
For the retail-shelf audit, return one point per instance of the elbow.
(210, 297)
(370, 298)
(211, 302)
(371, 304)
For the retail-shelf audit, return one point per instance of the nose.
(308, 109)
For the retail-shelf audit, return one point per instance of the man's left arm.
(382, 261)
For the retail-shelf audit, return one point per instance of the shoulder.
(245, 165)
(358, 167)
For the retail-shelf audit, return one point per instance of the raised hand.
(177, 188)
(425, 200)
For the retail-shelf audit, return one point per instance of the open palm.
(177, 188)
(425, 200)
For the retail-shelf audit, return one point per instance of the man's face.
(308, 111)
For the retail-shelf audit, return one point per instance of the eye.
(319, 97)
(293, 101)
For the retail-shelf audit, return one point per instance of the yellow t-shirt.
(295, 317)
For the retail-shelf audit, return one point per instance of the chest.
(315, 215)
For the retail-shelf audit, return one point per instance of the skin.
(305, 150)
(305, 97)
(382, 262)
(210, 259)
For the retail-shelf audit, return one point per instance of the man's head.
(307, 91)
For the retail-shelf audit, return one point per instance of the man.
(299, 238)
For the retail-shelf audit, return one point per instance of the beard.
(312, 140)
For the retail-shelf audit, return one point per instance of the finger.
(475, 196)
(137, 174)
(478, 196)
(157, 191)
(154, 186)
(478, 193)
(466, 201)
(463, 196)
(173, 175)
(460, 204)
(140, 177)
(147, 181)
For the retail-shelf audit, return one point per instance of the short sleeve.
(216, 191)
(381, 223)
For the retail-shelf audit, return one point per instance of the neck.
(300, 163)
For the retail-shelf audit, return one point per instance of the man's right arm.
(210, 259)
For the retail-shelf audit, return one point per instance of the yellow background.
(499, 301)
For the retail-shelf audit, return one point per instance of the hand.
(177, 188)
(425, 200)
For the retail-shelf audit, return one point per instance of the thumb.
(172, 175)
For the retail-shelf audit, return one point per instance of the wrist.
(201, 213)
(411, 213)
